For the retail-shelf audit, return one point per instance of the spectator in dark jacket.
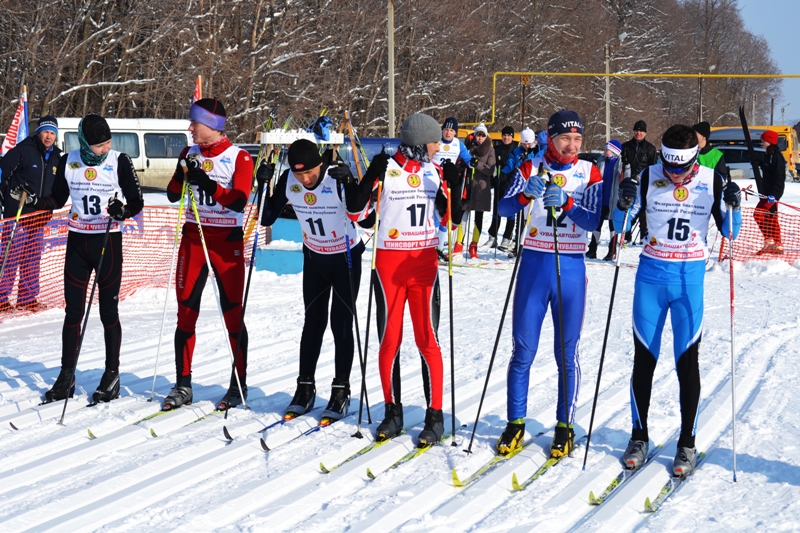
(772, 185)
(32, 164)
(479, 198)
(639, 154)
(502, 152)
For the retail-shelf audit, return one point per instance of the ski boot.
(303, 400)
(612, 247)
(473, 250)
(108, 389)
(458, 248)
(63, 387)
(392, 423)
(442, 255)
(179, 396)
(232, 398)
(592, 252)
(491, 243)
(512, 438)
(338, 404)
(685, 461)
(563, 442)
(635, 454)
(507, 246)
(434, 428)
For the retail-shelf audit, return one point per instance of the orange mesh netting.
(147, 250)
(765, 236)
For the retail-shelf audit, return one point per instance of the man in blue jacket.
(32, 164)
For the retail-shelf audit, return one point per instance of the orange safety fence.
(765, 236)
(146, 246)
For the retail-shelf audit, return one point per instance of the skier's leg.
(423, 306)
(342, 317)
(686, 310)
(190, 280)
(108, 285)
(316, 295)
(390, 301)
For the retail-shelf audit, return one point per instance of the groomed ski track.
(189, 476)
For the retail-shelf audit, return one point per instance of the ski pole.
(560, 312)
(214, 281)
(620, 237)
(169, 286)
(733, 339)
(89, 307)
(450, 296)
(22, 198)
(358, 434)
(362, 361)
(502, 316)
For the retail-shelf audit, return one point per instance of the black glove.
(452, 175)
(117, 210)
(264, 173)
(379, 164)
(473, 162)
(342, 173)
(199, 178)
(627, 192)
(16, 194)
(732, 195)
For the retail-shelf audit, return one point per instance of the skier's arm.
(235, 198)
(450, 177)
(129, 183)
(586, 213)
(464, 154)
(514, 200)
(8, 164)
(618, 215)
(722, 213)
(175, 185)
(274, 204)
(511, 164)
(60, 192)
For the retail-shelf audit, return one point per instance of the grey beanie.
(420, 129)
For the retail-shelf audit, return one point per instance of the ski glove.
(342, 173)
(16, 194)
(453, 177)
(378, 165)
(771, 199)
(473, 162)
(534, 187)
(554, 196)
(264, 173)
(117, 210)
(627, 193)
(732, 195)
(200, 179)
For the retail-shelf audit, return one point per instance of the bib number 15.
(679, 229)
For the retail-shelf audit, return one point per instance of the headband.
(203, 116)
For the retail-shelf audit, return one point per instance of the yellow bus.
(787, 141)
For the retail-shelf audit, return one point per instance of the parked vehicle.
(787, 142)
(738, 159)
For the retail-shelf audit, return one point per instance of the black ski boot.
(434, 428)
(563, 442)
(178, 397)
(511, 439)
(612, 246)
(232, 398)
(304, 397)
(338, 404)
(63, 387)
(108, 389)
(592, 252)
(392, 423)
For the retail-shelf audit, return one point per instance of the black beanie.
(95, 129)
(640, 125)
(452, 123)
(703, 128)
(303, 155)
(508, 130)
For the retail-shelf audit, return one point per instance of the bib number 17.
(412, 210)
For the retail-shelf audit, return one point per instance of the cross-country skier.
(611, 170)
(450, 149)
(312, 186)
(220, 175)
(524, 152)
(407, 267)
(576, 191)
(98, 180)
(678, 196)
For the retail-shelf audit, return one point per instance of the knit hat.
(95, 129)
(210, 112)
(527, 136)
(615, 147)
(703, 128)
(47, 123)
(450, 122)
(303, 155)
(419, 129)
(508, 130)
(770, 136)
(564, 121)
(640, 126)
(482, 129)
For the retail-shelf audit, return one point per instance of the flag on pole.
(19, 125)
(198, 89)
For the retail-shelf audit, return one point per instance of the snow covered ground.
(173, 472)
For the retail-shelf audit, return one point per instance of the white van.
(154, 144)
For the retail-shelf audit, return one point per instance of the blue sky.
(779, 22)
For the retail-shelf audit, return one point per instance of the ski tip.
(515, 482)
(264, 444)
(370, 474)
(323, 469)
(15, 428)
(325, 422)
(153, 432)
(226, 433)
(648, 505)
(91, 435)
(289, 416)
(592, 498)
(456, 481)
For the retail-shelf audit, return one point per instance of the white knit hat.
(482, 128)
(527, 136)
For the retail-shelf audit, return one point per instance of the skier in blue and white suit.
(451, 148)
(678, 196)
(576, 191)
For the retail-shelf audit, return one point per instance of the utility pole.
(608, 95)
(390, 32)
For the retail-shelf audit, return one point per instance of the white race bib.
(219, 169)
(90, 189)
(408, 206)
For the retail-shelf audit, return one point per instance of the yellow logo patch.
(534, 232)
(681, 194)
(310, 198)
(90, 174)
(393, 173)
(414, 180)
(560, 180)
(660, 184)
(295, 188)
(75, 165)
(394, 233)
(208, 165)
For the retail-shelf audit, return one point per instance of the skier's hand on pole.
(18, 192)
(627, 193)
(264, 173)
(732, 195)
(453, 177)
(554, 196)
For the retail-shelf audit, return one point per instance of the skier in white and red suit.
(407, 266)
(220, 175)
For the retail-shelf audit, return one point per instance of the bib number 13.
(679, 229)
(91, 205)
